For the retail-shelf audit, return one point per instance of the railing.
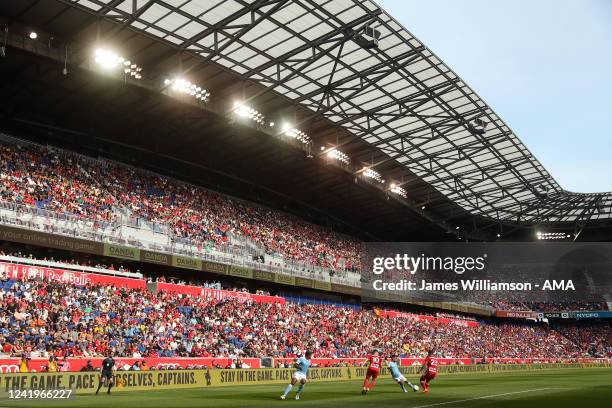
(68, 266)
(121, 231)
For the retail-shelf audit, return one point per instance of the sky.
(544, 66)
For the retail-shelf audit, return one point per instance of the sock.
(402, 385)
(99, 386)
(288, 389)
(424, 384)
(372, 384)
(365, 383)
(300, 388)
(411, 385)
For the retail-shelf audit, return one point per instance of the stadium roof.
(397, 96)
(352, 74)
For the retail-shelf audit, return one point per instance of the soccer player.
(398, 377)
(300, 375)
(430, 370)
(374, 362)
(106, 376)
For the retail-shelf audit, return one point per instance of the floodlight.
(247, 112)
(109, 60)
(395, 189)
(338, 155)
(33, 35)
(552, 236)
(372, 174)
(298, 135)
(181, 85)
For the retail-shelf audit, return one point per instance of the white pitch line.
(485, 397)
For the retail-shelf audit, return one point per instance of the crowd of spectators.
(39, 177)
(594, 340)
(67, 183)
(48, 318)
(548, 306)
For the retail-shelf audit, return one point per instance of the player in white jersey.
(299, 375)
(397, 375)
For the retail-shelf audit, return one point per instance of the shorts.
(299, 376)
(428, 376)
(107, 374)
(372, 373)
(401, 378)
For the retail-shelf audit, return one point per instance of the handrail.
(68, 266)
(24, 216)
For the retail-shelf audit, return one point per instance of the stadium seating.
(41, 317)
(59, 181)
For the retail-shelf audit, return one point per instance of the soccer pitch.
(541, 389)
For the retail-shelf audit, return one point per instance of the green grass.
(571, 388)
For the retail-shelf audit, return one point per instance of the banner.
(155, 257)
(86, 382)
(187, 263)
(122, 252)
(439, 319)
(241, 272)
(518, 314)
(591, 315)
(24, 236)
(216, 293)
(15, 271)
(11, 365)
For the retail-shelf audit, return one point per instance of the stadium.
(194, 194)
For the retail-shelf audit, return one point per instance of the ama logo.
(558, 285)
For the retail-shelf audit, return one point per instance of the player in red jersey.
(374, 362)
(430, 370)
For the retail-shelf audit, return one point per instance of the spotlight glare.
(109, 60)
(184, 86)
(33, 35)
(372, 174)
(297, 134)
(247, 112)
(395, 189)
(552, 236)
(338, 155)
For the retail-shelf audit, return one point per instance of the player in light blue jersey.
(397, 375)
(300, 374)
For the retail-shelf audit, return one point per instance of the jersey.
(107, 365)
(302, 365)
(374, 362)
(432, 365)
(394, 368)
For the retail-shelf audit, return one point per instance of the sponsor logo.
(214, 267)
(9, 368)
(155, 257)
(187, 263)
(284, 279)
(122, 252)
(303, 282)
(240, 271)
(263, 275)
